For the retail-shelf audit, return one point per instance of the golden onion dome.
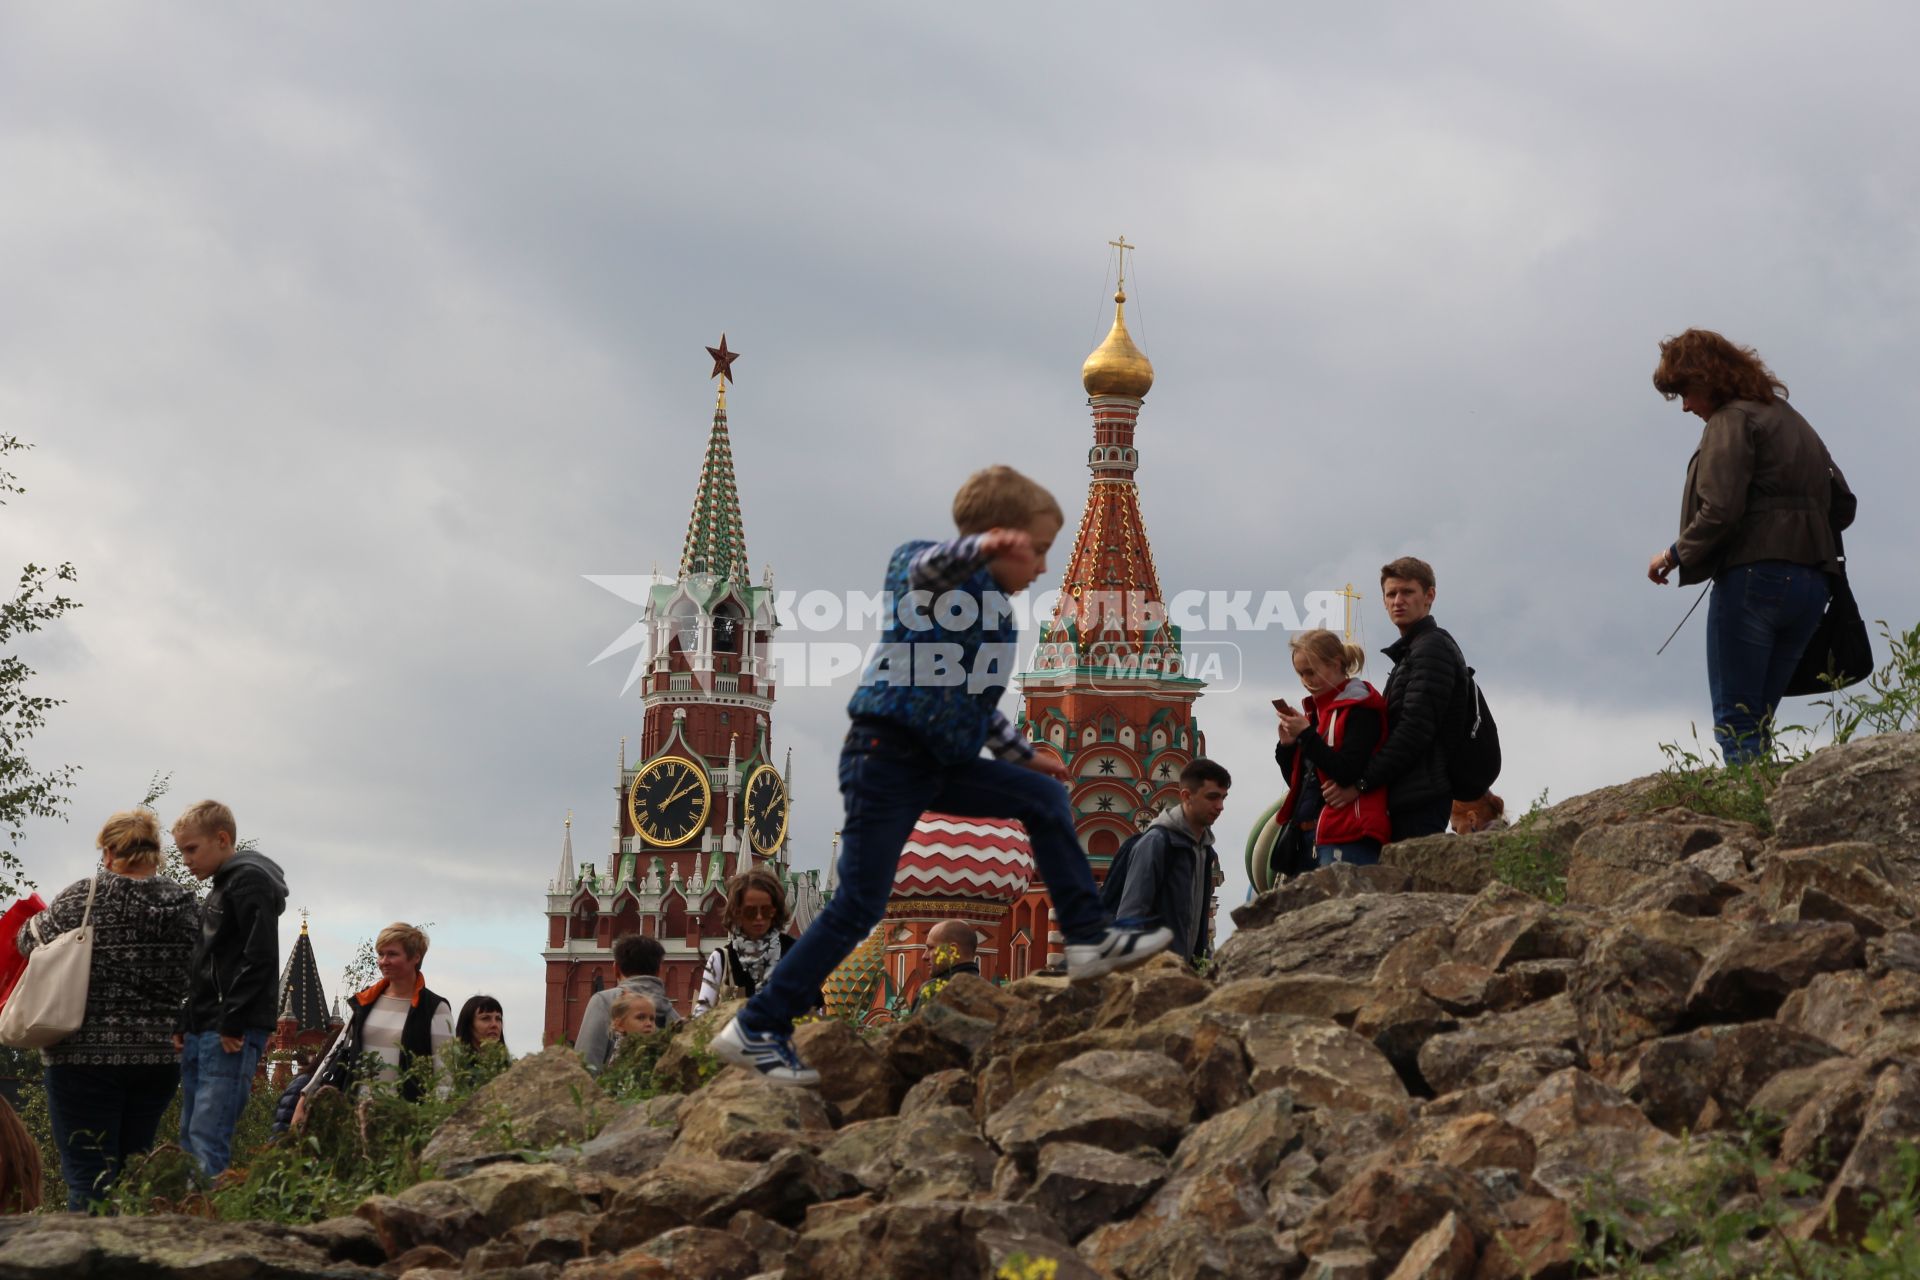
(1117, 367)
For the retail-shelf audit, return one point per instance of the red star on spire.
(722, 360)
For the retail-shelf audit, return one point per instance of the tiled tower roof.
(301, 997)
(716, 536)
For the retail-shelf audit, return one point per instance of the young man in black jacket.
(1170, 871)
(1427, 689)
(230, 1008)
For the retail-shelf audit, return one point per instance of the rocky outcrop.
(1407, 1071)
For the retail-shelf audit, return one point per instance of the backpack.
(1116, 882)
(1473, 745)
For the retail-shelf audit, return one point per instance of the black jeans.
(102, 1115)
(1428, 818)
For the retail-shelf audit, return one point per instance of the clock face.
(669, 801)
(766, 809)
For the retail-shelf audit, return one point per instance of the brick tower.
(1109, 694)
(704, 800)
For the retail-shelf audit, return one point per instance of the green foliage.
(351, 1148)
(1524, 860)
(1692, 779)
(26, 792)
(1890, 702)
(1732, 1216)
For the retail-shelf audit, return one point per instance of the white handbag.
(50, 1000)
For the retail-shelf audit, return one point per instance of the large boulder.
(1543, 1036)
(544, 1100)
(934, 1240)
(1445, 863)
(69, 1247)
(1675, 1078)
(1208, 1222)
(1891, 1118)
(858, 1082)
(1612, 860)
(1390, 1207)
(724, 1119)
(1342, 880)
(1864, 790)
(1850, 883)
(1319, 1063)
(1341, 937)
(1081, 1187)
(1256, 1134)
(678, 1193)
(1068, 1108)
(1307, 993)
(1857, 1013)
(1632, 985)
(938, 1154)
(1754, 972)
(637, 1140)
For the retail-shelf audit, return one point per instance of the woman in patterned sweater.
(109, 1082)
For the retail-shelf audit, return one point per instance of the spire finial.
(722, 364)
(303, 922)
(1120, 277)
(1117, 367)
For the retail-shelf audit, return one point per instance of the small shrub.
(1891, 701)
(1523, 859)
(1737, 792)
(1732, 1217)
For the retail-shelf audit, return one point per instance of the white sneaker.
(773, 1056)
(1124, 947)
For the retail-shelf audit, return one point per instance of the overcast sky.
(351, 337)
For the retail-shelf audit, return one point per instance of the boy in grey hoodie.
(231, 1003)
(636, 966)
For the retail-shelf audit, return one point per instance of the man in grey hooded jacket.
(1170, 870)
(636, 965)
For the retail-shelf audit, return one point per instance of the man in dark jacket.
(231, 1002)
(1170, 871)
(1427, 689)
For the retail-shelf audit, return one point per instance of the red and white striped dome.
(980, 858)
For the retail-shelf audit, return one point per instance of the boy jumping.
(925, 707)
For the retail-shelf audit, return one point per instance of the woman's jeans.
(102, 1115)
(1355, 853)
(888, 780)
(1759, 621)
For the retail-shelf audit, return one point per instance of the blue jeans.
(101, 1115)
(888, 780)
(214, 1088)
(1358, 853)
(1758, 624)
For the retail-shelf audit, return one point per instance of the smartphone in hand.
(1283, 707)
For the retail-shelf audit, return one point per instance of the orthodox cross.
(1120, 244)
(1351, 596)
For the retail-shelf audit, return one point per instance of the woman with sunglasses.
(756, 919)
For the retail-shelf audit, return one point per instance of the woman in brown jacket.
(1757, 519)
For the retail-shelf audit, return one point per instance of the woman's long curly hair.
(1724, 372)
(19, 1164)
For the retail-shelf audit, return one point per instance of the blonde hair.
(207, 818)
(131, 839)
(1322, 645)
(412, 940)
(633, 1002)
(1001, 498)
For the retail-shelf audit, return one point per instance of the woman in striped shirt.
(395, 1023)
